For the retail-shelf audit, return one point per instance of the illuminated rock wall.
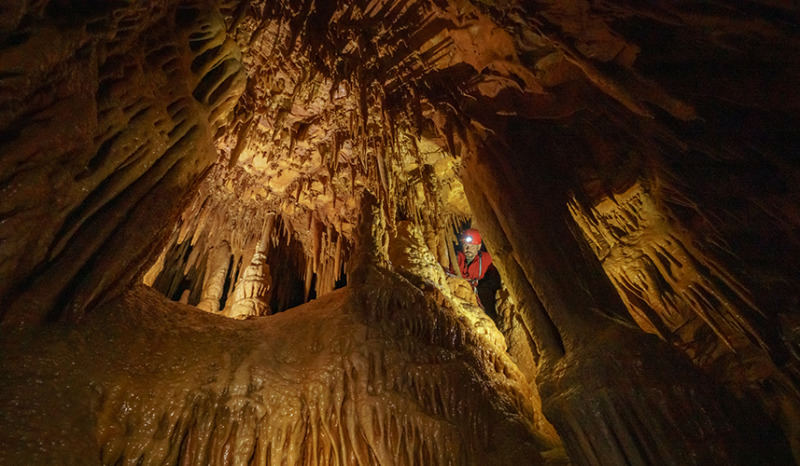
(108, 122)
(632, 168)
(378, 373)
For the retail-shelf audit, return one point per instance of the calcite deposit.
(225, 227)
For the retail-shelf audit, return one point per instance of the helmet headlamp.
(471, 236)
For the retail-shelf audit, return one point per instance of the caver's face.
(471, 250)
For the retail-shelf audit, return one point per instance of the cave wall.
(376, 373)
(632, 167)
(665, 202)
(590, 352)
(109, 115)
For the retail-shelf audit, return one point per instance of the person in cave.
(476, 267)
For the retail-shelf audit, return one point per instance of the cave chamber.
(225, 225)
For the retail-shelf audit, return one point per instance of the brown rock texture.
(225, 227)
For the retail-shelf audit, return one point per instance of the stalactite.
(156, 269)
(352, 180)
(663, 285)
(308, 278)
(325, 275)
(267, 232)
(442, 251)
(149, 89)
(316, 243)
(453, 259)
(337, 263)
(381, 162)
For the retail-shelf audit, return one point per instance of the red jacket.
(476, 269)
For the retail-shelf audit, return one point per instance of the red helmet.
(471, 236)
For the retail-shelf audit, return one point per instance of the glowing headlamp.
(471, 236)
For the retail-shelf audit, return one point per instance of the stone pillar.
(251, 297)
(252, 293)
(219, 259)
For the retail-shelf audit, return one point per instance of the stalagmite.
(217, 270)
(251, 297)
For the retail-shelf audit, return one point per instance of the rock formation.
(225, 224)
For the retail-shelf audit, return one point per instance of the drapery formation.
(631, 168)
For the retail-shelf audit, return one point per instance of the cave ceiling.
(336, 102)
(352, 95)
(308, 103)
